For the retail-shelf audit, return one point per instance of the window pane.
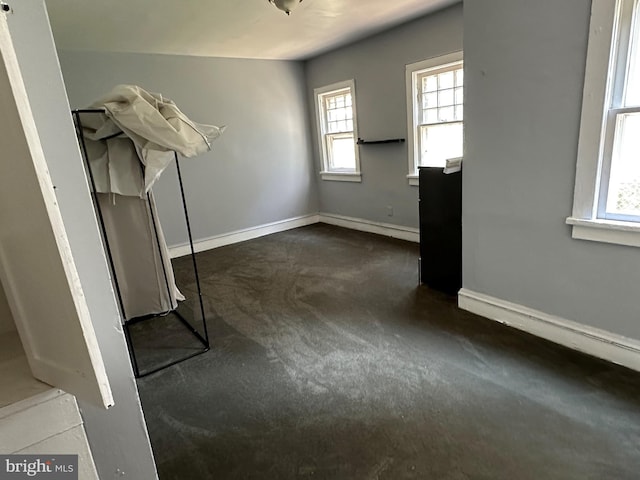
(430, 100)
(446, 114)
(439, 142)
(430, 115)
(445, 98)
(459, 78)
(430, 83)
(459, 96)
(632, 91)
(445, 80)
(342, 154)
(438, 109)
(339, 113)
(440, 96)
(624, 181)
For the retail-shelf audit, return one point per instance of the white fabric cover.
(140, 262)
(157, 129)
(128, 147)
(115, 164)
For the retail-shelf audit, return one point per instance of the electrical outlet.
(389, 211)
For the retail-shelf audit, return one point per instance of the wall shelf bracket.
(372, 142)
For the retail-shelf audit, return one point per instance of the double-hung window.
(607, 192)
(435, 99)
(337, 132)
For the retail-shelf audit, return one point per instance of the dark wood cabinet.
(440, 208)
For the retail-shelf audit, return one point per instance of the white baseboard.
(599, 343)
(242, 235)
(388, 229)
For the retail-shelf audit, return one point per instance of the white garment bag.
(128, 147)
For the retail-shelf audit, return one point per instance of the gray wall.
(258, 171)
(6, 319)
(377, 65)
(524, 69)
(118, 436)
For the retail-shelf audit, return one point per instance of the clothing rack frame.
(127, 324)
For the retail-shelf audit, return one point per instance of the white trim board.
(362, 225)
(242, 235)
(593, 341)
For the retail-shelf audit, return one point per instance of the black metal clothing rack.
(202, 338)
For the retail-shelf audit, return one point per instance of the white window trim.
(325, 173)
(600, 54)
(411, 70)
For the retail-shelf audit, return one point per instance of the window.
(337, 131)
(606, 203)
(435, 98)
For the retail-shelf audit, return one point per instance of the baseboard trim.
(242, 235)
(593, 341)
(360, 224)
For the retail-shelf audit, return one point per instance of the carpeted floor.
(329, 362)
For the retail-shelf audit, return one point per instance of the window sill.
(607, 231)
(342, 176)
(413, 180)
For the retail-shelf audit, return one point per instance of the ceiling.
(225, 28)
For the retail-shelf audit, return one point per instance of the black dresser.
(440, 207)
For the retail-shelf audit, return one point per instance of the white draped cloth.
(128, 148)
(152, 127)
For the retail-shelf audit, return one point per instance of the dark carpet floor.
(329, 362)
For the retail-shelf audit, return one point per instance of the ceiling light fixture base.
(286, 5)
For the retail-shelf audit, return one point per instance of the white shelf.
(17, 381)
(36, 418)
